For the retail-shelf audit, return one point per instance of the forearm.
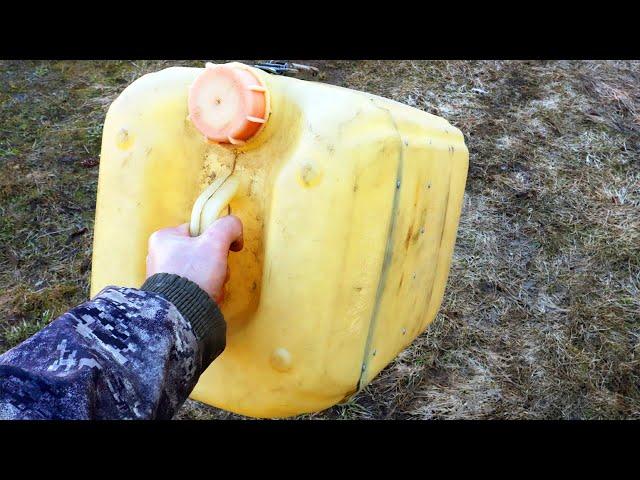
(126, 354)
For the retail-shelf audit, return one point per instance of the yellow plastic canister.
(350, 204)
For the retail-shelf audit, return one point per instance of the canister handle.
(209, 206)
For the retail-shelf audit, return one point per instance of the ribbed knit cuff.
(195, 305)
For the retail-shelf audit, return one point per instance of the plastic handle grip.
(211, 202)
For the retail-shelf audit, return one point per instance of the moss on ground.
(541, 316)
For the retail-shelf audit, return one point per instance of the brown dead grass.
(541, 316)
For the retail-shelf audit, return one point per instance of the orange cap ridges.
(228, 103)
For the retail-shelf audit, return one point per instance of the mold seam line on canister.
(388, 255)
(444, 226)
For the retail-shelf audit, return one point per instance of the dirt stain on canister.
(310, 174)
(124, 139)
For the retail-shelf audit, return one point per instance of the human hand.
(202, 259)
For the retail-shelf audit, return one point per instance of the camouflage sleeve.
(126, 354)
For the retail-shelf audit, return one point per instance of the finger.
(163, 233)
(224, 232)
(180, 230)
(237, 245)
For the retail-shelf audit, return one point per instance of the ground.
(541, 316)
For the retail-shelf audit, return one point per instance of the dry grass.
(541, 317)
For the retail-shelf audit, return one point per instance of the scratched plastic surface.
(350, 204)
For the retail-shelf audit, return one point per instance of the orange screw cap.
(228, 103)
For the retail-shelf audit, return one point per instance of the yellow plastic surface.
(350, 204)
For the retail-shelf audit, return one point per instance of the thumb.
(182, 230)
